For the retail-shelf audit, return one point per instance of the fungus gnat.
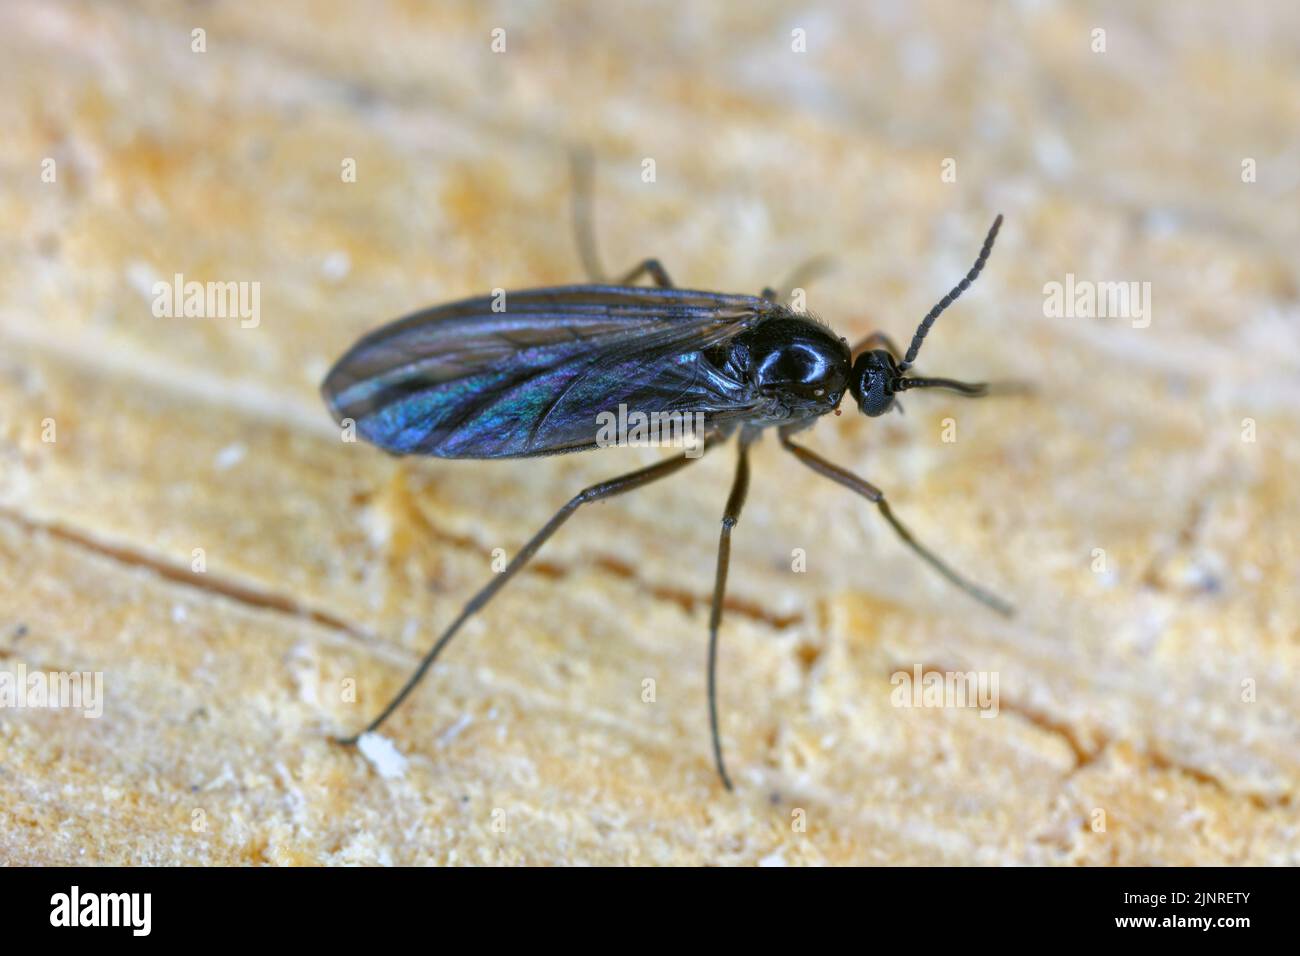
(466, 380)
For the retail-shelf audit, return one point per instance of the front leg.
(873, 494)
(875, 340)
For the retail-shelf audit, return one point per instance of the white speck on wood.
(383, 756)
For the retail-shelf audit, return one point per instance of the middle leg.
(731, 515)
(596, 492)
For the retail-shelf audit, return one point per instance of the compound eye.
(874, 374)
(875, 402)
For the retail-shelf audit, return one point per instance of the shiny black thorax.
(796, 365)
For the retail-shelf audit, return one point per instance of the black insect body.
(486, 378)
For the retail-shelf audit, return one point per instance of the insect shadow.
(530, 373)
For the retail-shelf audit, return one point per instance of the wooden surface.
(1148, 680)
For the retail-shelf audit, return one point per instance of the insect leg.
(735, 501)
(605, 489)
(581, 166)
(876, 339)
(803, 274)
(585, 232)
(656, 271)
(873, 494)
(806, 272)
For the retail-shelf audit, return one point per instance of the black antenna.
(973, 389)
(951, 297)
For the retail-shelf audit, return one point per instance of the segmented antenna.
(951, 297)
(974, 389)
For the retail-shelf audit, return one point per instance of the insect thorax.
(795, 362)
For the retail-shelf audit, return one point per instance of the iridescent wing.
(464, 381)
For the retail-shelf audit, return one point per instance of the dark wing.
(463, 381)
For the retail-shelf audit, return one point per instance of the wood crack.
(267, 600)
(247, 595)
